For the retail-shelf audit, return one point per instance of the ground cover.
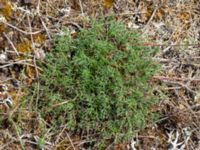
(27, 29)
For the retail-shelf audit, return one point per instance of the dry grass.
(171, 25)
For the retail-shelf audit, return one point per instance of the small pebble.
(3, 58)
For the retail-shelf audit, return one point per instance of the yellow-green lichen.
(6, 9)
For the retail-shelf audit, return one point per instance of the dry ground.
(27, 28)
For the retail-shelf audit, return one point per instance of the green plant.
(41, 143)
(97, 83)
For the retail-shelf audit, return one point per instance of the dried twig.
(46, 29)
(20, 62)
(180, 84)
(197, 80)
(70, 140)
(59, 135)
(20, 30)
(168, 45)
(151, 18)
(59, 104)
(11, 43)
(80, 4)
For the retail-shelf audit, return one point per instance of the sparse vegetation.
(97, 83)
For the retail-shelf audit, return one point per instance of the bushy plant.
(97, 82)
